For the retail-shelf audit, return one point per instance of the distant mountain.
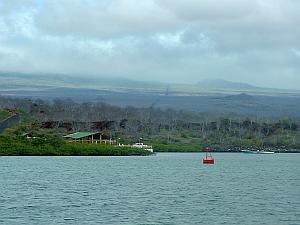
(217, 96)
(240, 97)
(11, 82)
(224, 84)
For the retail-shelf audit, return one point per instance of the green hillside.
(4, 114)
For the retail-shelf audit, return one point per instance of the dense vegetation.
(50, 145)
(4, 114)
(166, 130)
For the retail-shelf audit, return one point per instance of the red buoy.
(208, 161)
(208, 158)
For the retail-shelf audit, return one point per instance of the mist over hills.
(23, 81)
(224, 84)
(10, 80)
(216, 96)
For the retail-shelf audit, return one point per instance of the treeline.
(55, 146)
(161, 127)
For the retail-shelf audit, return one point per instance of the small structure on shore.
(89, 137)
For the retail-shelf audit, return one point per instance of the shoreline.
(227, 152)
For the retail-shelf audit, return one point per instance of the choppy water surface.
(169, 188)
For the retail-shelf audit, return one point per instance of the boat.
(143, 146)
(256, 151)
(249, 151)
(266, 152)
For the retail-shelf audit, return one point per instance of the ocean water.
(169, 188)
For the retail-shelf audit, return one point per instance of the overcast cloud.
(254, 41)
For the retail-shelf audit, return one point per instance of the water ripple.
(165, 189)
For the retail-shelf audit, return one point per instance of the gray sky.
(254, 41)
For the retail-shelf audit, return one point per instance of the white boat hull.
(257, 152)
(142, 146)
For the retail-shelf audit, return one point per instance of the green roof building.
(92, 137)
